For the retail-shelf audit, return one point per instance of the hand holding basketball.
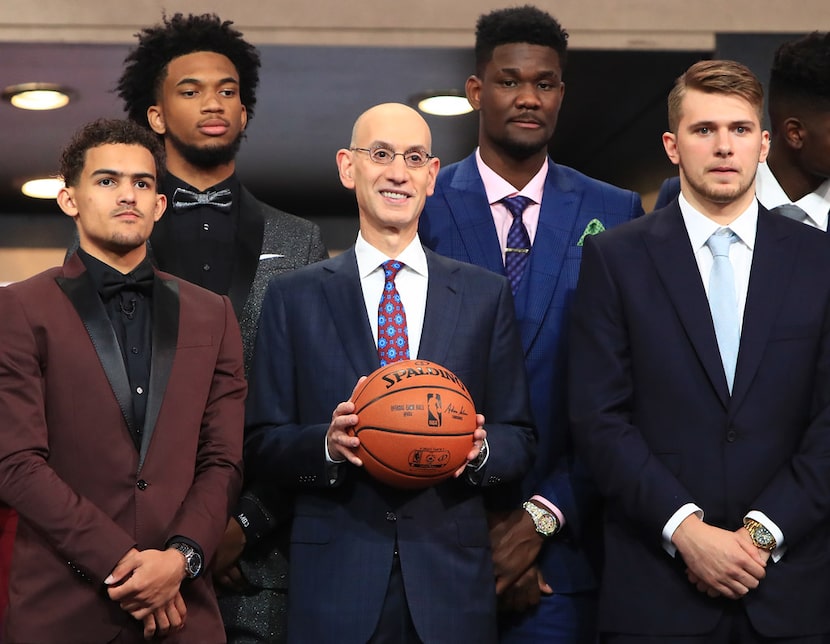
(340, 439)
(478, 444)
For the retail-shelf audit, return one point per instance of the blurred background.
(325, 61)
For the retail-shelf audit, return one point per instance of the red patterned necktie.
(518, 241)
(393, 337)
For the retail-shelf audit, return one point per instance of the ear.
(244, 117)
(66, 201)
(155, 117)
(473, 90)
(432, 168)
(764, 146)
(670, 146)
(794, 130)
(345, 165)
(161, 206)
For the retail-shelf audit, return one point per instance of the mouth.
(394, 195)
(723, 170)
(128, 215)
(214, 127)
(528, 122)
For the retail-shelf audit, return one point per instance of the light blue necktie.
(723, 301)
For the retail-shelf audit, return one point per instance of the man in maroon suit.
(121, 394)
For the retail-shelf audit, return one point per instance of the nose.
(212, 103)
(126, 195)
(528, 97)
(397, 171)
(723, 143)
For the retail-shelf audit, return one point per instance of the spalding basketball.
(415, 423)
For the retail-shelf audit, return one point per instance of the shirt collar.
(370, 258)
(700, 227)
(770, 193)
(497, 188)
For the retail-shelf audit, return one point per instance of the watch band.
(545, 521)
(760, 535)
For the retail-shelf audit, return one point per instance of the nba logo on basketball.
(434, 410)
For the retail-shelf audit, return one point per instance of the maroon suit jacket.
(84, 492)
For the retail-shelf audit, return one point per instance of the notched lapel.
(165, 338)
(771, 273)
(668, 244)
(87, 303)
(443, 309)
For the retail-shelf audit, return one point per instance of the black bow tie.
(139, 281)
(184, 199)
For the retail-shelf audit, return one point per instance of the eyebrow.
(198, 81)
(116, 173)
(389, 146)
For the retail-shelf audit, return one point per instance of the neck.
(390, 241)
(794, 181)
(722, 214)
(199, 178)
(517, 172)
(122, 262)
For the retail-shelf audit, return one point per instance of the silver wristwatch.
(546, 522)
(192, 559)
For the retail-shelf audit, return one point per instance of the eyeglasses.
(416, 158)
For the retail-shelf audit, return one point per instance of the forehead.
(526, 57)
(200, 65)
(697, 106)
(400, 131)
(120, 157)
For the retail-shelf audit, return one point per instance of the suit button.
(731, 435)
(142, 484)
(390, 516)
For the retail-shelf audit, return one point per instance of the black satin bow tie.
(184, 199)
(138, 281)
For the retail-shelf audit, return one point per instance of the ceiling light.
(42, 188)
(443, 103)
(37, 96)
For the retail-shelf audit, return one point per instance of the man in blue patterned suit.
(545, 539)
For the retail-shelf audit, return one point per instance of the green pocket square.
(594, 226)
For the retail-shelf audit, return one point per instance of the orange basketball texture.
(415, 423)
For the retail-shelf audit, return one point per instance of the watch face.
(546, 523)
(763, 537)
(194, 564)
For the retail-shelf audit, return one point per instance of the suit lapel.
(771, 272)
(165, 337)
(471, 210)
(443, 309)
(80, 291)
(247, 249)
(558, 216)
(345, 300)
(668, 244)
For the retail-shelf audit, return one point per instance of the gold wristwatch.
(546, 522)
(761, 537)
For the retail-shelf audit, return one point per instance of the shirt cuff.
(674, 521)
(551, 507)
(764, 520)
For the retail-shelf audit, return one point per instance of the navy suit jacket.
(652, 413)
(314, 342)
(457, 222)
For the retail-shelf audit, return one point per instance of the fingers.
(544, 587)
(149, 627)
(123, 569)
(360, 381)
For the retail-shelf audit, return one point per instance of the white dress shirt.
(771, 195)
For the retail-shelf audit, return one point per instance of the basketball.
(415, 423)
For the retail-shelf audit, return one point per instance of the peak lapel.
(165, 338)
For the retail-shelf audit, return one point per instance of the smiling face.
(115, 203)
(518, 97)
(718, 145)
(390, 198)
(199, 110)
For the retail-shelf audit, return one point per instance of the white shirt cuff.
(674, 521)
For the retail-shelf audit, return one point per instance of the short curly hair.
(526, 24)
(145, 68)
(800, 75)
(107, 132)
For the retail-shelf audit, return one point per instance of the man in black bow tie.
(193, 80)
(121, 393)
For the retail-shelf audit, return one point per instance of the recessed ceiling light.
(37, 96)
(443, 103)
(42, 188)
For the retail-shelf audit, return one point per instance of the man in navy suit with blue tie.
(700, 393)
(371, 563)
(509, 208)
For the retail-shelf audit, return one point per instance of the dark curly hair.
(800, 74)
(145, 68)
(105, 132)
(525, 24)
